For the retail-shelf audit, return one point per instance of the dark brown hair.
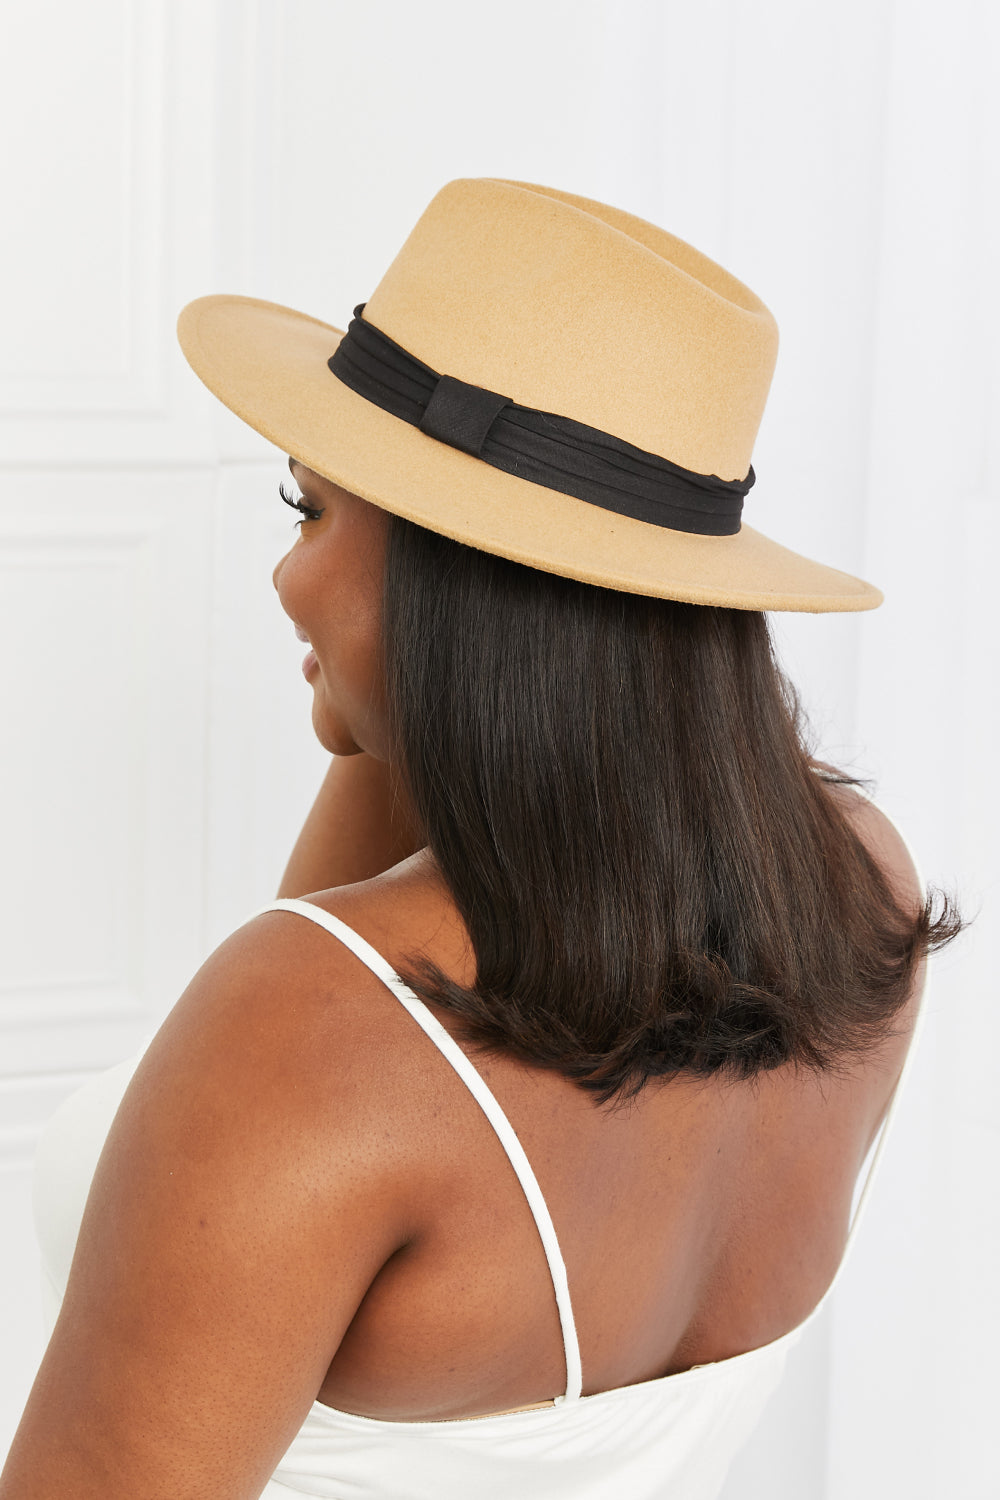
(617, 793)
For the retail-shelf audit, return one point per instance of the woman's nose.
(277, 570)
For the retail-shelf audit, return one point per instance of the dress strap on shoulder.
(484, 1097)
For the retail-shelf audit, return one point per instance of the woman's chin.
(338, 744)
(361, 734)
(332, 736)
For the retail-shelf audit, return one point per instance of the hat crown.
(572, 307)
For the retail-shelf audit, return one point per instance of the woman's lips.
(310, 658)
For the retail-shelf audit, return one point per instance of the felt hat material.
(564, 305)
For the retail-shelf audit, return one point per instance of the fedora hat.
(544, 378)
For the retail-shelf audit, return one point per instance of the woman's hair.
(617, 793)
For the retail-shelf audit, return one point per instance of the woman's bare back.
(700, 1221)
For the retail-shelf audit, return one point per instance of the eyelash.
(297, 503)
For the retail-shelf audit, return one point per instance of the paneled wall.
(155, 745)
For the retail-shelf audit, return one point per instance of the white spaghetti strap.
(447, 1045)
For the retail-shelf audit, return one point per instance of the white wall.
(156, 750)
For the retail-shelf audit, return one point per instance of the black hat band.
(539, 446)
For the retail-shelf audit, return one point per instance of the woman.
(556, 1237)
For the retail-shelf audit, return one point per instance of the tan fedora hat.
(542, 377)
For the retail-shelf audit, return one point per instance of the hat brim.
(268, 364)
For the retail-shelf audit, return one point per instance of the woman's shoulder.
(284, 1009)
(286, 1059)
(879, 834)
(891, 853)
(259, 1173)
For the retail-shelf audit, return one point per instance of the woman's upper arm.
(237, 1216)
